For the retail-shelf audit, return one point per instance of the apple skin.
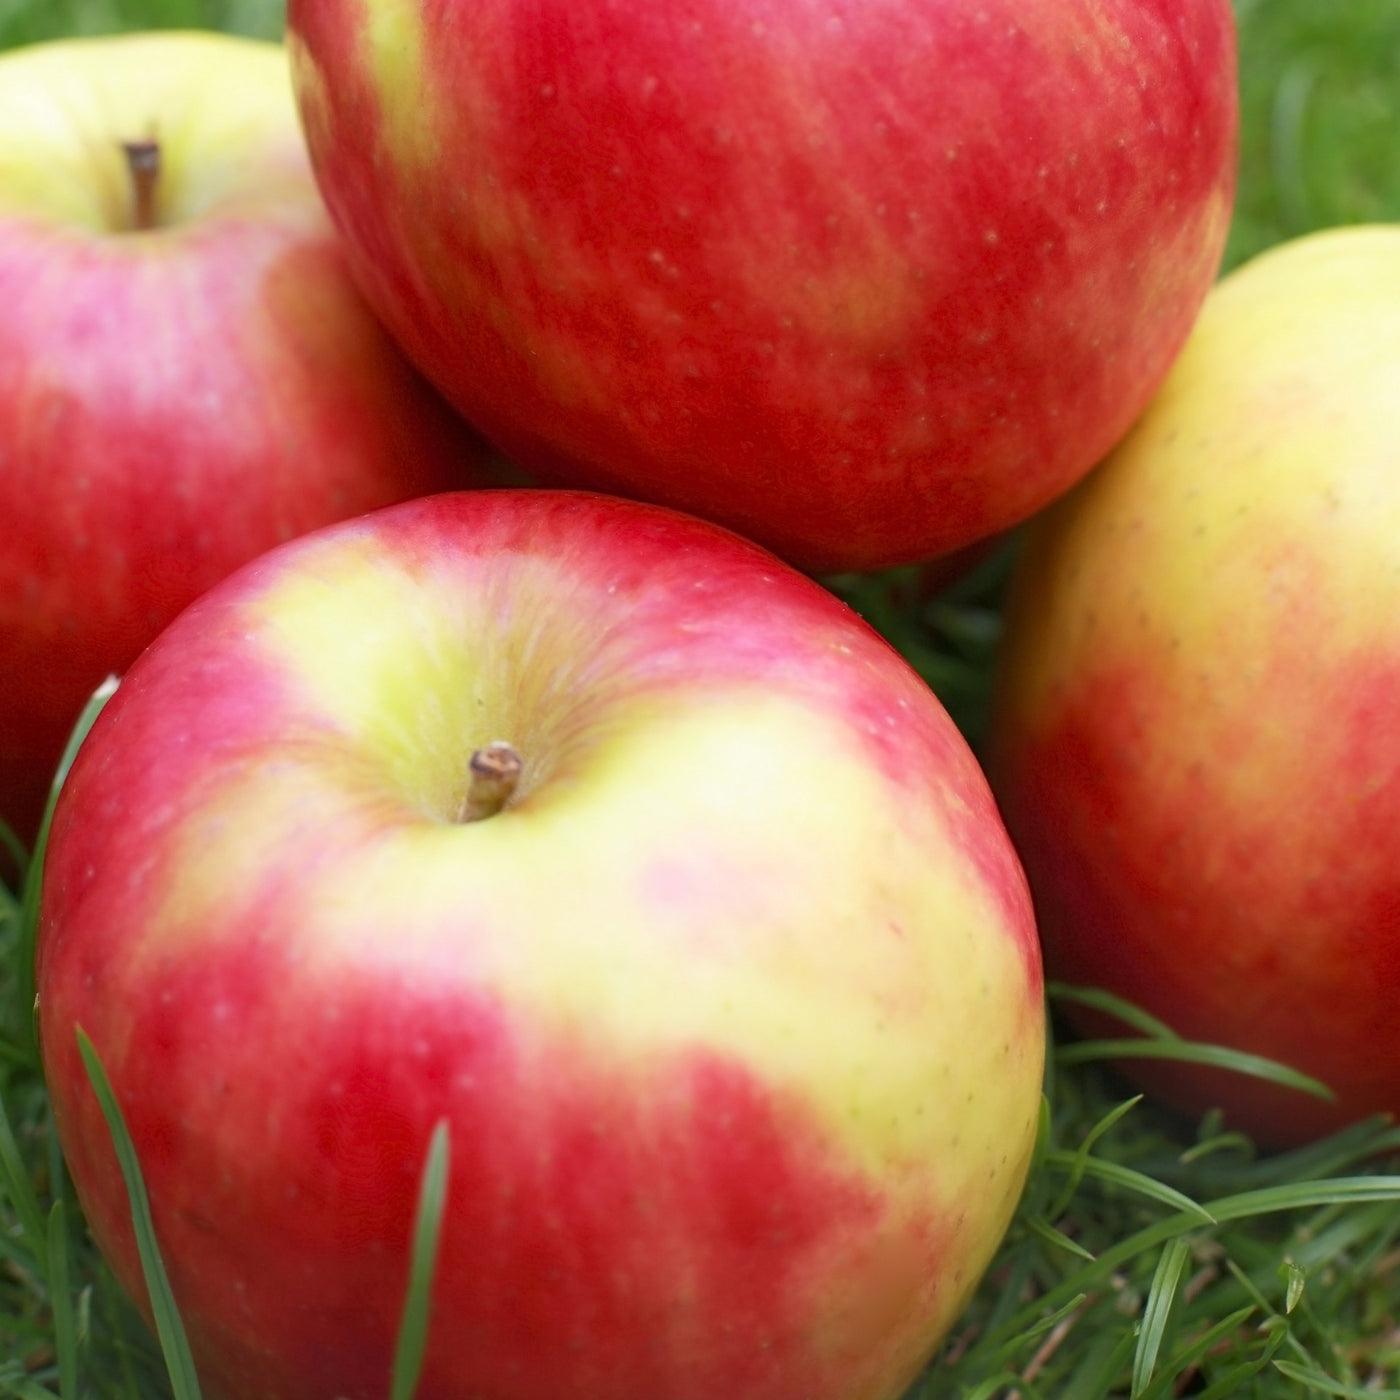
(1196, 740)
(865, 282)
(735, 1011)
(173, 400)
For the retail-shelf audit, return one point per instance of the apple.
(188, 374)
(865, 282)
(733, 1008)
(1196, 741)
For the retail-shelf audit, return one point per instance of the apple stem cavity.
(143, 163)
(494, 772)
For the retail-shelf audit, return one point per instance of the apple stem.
(143, 162)
(495, 771)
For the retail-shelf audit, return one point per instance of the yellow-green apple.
(733, 1008)
(1197, 736)
(866, 282)
(188, 375)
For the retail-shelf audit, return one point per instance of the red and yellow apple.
(187, 373)
(733, 1009)
(866, 282)
(1197, 738)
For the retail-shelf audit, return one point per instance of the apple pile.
(576, 816)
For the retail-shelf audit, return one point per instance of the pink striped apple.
(1197, 739)
(865, 281)
(188, 375)
(733, 1008)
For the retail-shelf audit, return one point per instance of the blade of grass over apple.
(1159, 1042)
(34, 875)
(1123, 1010)
(427, 1232)
(169, 1328)
(1217, 1056)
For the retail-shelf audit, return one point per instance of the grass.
(30, 21)
(1150, 1258)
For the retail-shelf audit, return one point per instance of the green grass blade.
(1215, 1142)
(427, 1234)
(1248, 1286)
(1126, 1011)
(1083, 1152)
(1081, 1052)
(171, 1331)
(34, 876)
(1324, 1384)
(1105, 1170)
(1156, 1312)
(1299, 1195)
(65, 1322)
(1041, 1227)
